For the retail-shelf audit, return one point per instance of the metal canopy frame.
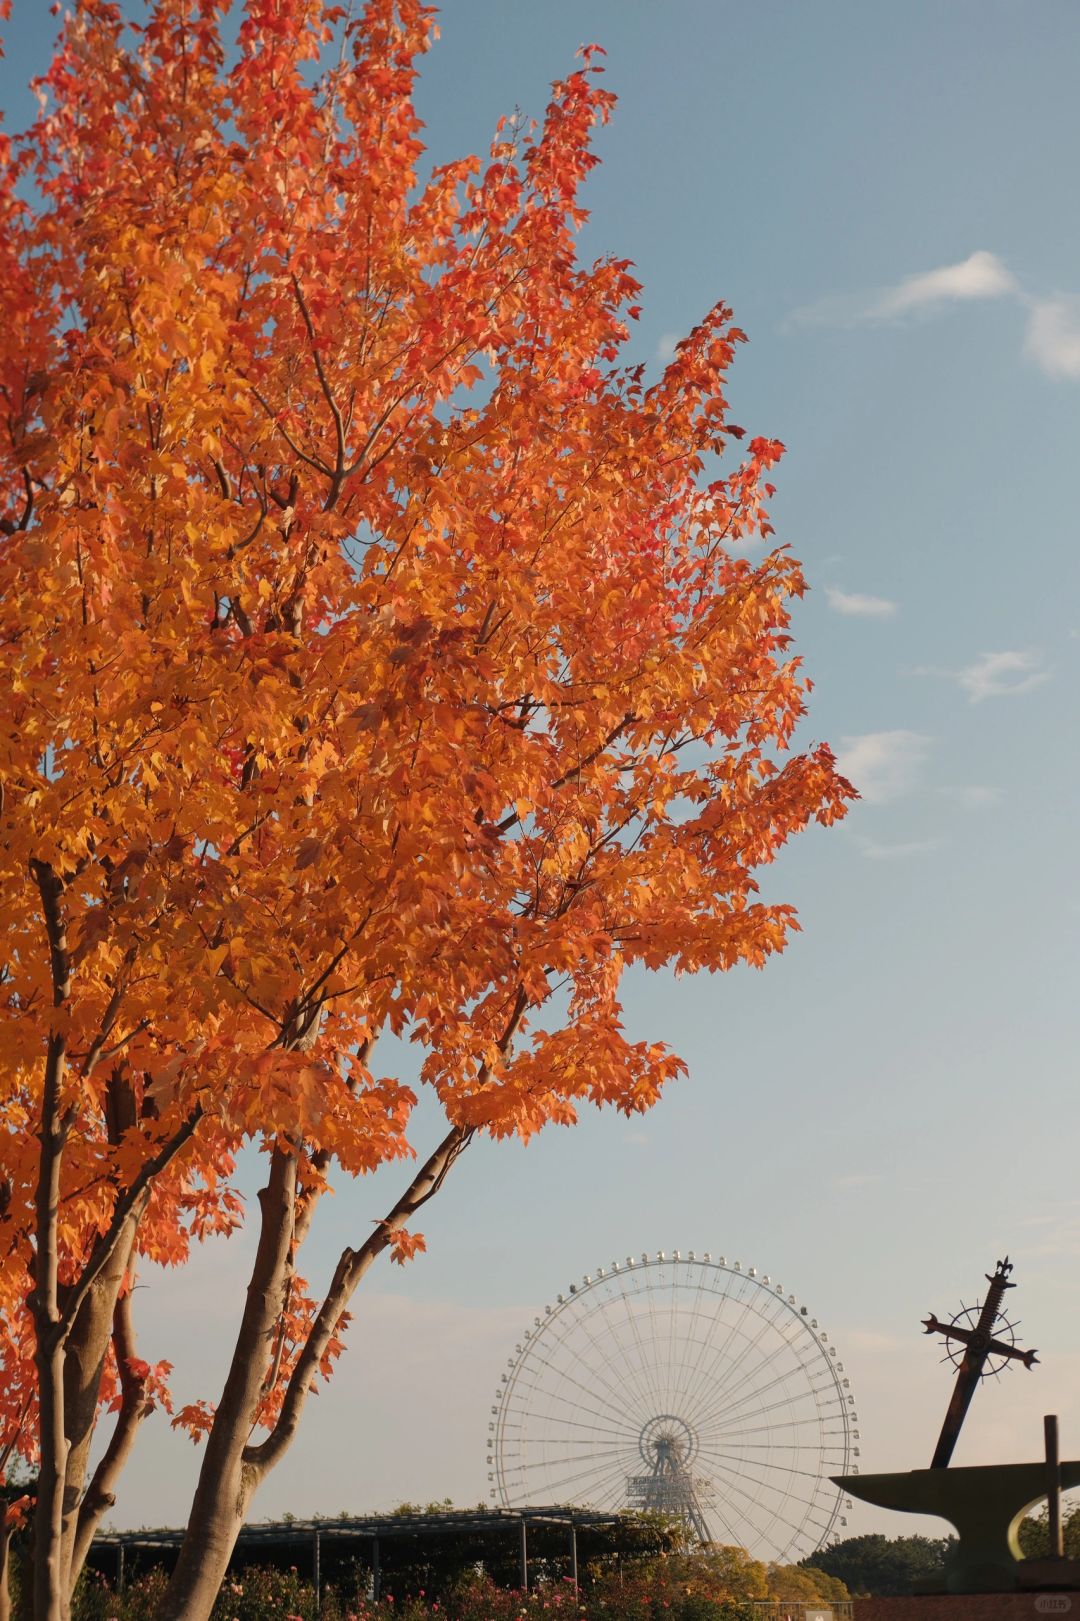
(376, 1528)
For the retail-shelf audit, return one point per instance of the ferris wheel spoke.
(537, 1478)
(771, 1516)
(722, 1410)
(780, 1503)
(753, 1364)
(574, 1404)
(690, 1365)
(601, 1463)
(742, 1313)
(634, 1391)
(590, 1391)
(715, 1514)
(754, 1401)
(626, 1398)
(709, 1351)
(791, 1427)
(729, 1460)
(539, 1441)
(540, 1456)
(640, 1366)
(746, 1516)
(644, 1293)
(596, 1384)
(614, 1497)
(577, 1478)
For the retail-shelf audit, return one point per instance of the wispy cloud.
(1053, 336)
(858, 606)
(1001, 675)
(902, 850)
(883, 765)
(1054, 1231)
(982, 275)
(1051, 339)
(665, 349)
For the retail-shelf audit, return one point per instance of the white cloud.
(1052, 339)
(1000, 675)
(882, 765)
(901, 851)
(982, 275)
(1053, 336)
(665, 349)
(859, 606)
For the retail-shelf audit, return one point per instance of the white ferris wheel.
(686, 1384)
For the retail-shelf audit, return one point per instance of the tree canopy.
(383, 653)
(880, 1566)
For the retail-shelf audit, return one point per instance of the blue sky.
(886, 197)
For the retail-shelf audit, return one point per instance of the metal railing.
(793, 1609)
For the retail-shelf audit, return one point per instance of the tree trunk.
(232, 1468)
(48, 1578)
(100, 1496)
(48, 1575)
(5, 1568)
(226, 1480)
(85, 1353)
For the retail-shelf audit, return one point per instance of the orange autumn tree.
(381, 657)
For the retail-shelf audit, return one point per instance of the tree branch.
(51, 889)
(132, 1203)
(508, 821)
(328, 395)
(351, 1267)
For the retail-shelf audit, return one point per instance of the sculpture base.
(986, 1505)
(970, 1607)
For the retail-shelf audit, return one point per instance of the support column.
(1053, 1485)
(573, 1556)
(375, 1573)
(120, 1567)
(316, 1573)
(524, 1557)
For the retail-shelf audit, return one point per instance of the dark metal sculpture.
(987, 1504)
(980, 1344)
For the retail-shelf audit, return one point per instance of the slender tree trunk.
(232, 1468)
(226, 1480)
(85, 1353)
(49, 1357)
(100, 1494)
(6, 1532)
(48, 1576)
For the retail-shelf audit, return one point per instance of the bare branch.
(351, 1267)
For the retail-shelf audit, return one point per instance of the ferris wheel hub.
(669, 1435)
